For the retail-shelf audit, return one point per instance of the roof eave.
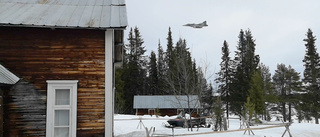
(7, 77)
(61, 27)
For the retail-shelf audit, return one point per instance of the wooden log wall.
(39, 54)
(25, 111)
(163, 112)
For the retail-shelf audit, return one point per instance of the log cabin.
(165, 104)
(63, 54)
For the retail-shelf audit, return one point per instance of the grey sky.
(279, 26)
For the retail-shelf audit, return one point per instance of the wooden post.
(287, 125)
(150, 132)
(172, 131)
(247, 127)
(225, 124)
(140, 123)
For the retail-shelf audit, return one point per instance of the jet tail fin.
(204, 23)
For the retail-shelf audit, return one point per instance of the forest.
(245, 85)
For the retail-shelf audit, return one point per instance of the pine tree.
(279, 80)
(311, 75)
(225, 75)
(286, 80)
(293, 84)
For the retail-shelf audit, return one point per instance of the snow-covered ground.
(130, 126)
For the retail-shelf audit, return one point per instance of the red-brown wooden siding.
(39, 54)
(163, 112)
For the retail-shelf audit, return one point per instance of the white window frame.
(72, 107)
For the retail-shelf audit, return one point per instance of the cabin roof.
(6, 77)
(101, 14)
(168, 102)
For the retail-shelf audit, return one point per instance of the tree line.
(170, 72)
(244, 83)
(247, 87)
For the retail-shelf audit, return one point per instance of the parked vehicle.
(181, 122)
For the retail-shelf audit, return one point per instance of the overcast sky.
(278, 26)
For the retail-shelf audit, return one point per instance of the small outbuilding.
(165, 105)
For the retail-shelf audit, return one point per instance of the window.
(61, 108)
(151, 111)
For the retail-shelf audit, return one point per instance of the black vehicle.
(177, 122)
(180, 122)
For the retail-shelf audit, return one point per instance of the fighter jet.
(200, 25)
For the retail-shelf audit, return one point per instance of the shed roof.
(100, 14)
(147, 102)
(6, 77)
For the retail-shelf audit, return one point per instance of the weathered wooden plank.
(89, 90)
(91, 107)
(90, 124)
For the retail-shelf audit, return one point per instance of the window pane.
(61, 118)
(61, 132)
(62, 97)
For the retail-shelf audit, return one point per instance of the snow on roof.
(6, 77)
(146, 102)
(100, 14)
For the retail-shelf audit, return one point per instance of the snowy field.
(130, 126)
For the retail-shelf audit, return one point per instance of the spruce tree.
(205, 90)
(237, 90)
(311, 75)
(256, 92)
(270, 96)
(134, 74)
(248, 110)
(181, 74)
(169, 51)
(225, 76)
(219, 115)
(153, 75)
(246, 63)
(162, 87)
(170, 58)
(182, 78)
(207, 100)
(120, 104)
